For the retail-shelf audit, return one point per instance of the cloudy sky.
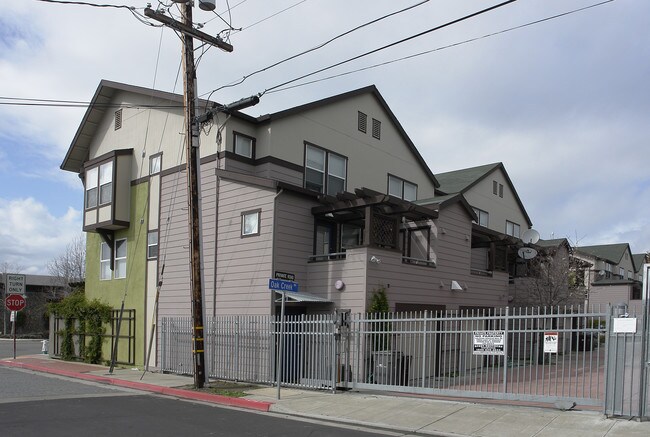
(563, 103)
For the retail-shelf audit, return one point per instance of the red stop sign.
(15, 302)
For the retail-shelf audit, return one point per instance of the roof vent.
(118, 119)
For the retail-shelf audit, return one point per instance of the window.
(99, 185)
(104, 262)
(319, 163)
(155, 163)
(362, 122)
(118, 119)
(630, 276)
(500, 190)
(91, 187)
(415, 244)
(495, 185)
(512, 229)
(152, 245)
(376, 129)
(250, 223)
(351, 236)
(120, 259)
(621, 272)
(106, 183)
(400, 188)
(331, 240)
(324, 239)
(483, 217)
(244, 145)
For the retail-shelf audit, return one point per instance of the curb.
(167, 391)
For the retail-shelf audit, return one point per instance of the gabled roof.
(608, 252)
(99, 105)
(460, 181)
(449, 199)
(638, 259)
(371, 89)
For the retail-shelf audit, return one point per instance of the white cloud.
(30, 236)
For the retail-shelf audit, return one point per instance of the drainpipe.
(275, 215)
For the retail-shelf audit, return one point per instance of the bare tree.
(554, 278)
(70, 266)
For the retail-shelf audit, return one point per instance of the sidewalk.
(398, 413)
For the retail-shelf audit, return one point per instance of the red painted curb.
(169, 391)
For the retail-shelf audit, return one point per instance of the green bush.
(91, 316)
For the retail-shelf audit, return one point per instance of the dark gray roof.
(609, 252)
(460, 181)
(639, 260)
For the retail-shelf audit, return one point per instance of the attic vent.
(362, 122)
(376, 129)
(118, 119)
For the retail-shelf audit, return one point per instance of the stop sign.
(15, 302)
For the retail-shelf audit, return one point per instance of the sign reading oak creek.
(489, 342)
(15, 302)
(282, 285)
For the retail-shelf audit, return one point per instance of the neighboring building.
(332, 193)
(612, 278)
(39, 291)
(640, 259)
(554, 277)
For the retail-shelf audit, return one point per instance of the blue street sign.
(282, 285)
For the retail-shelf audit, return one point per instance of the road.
(23, 347)
(34, 404)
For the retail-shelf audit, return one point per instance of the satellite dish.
(531, 236)
(527, 253)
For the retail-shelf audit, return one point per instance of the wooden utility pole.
(193, 167)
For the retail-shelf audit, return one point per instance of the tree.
(70, 266)
(554, 278)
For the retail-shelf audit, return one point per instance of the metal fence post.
(505, 353)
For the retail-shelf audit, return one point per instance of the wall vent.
(376, 129)
(362, 122)
(118, 119)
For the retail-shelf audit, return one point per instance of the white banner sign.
(489, 342)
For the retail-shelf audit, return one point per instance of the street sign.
(15, 302)
(285, 276)
(15, 283)
(281, 285)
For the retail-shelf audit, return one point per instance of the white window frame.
(120, 264)
(104, 263)
(92, 183)
(105, 181)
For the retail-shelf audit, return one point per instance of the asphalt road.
(34, 404)
(23, 347)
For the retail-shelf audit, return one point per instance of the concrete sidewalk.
(398, 413)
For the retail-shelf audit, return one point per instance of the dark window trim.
(257, 211)
(234, 143)
(327, 153)
(151, 158)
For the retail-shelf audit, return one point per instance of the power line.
(393, 44)
(134, 11)
(426, 52)
(240, 81)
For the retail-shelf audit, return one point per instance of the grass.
(224, 388)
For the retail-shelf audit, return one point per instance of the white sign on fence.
(550, 342)
(624, 325)
(489, 342)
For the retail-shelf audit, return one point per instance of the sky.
(563, 102)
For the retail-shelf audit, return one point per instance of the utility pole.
(193, 167)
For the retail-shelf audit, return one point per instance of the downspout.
(274, 240)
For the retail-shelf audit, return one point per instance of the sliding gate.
(522, 354)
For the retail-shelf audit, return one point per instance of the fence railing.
(524, 354)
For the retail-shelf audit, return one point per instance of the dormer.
(107, 191)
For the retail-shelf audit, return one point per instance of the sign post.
(14, 303)
(281, 286)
